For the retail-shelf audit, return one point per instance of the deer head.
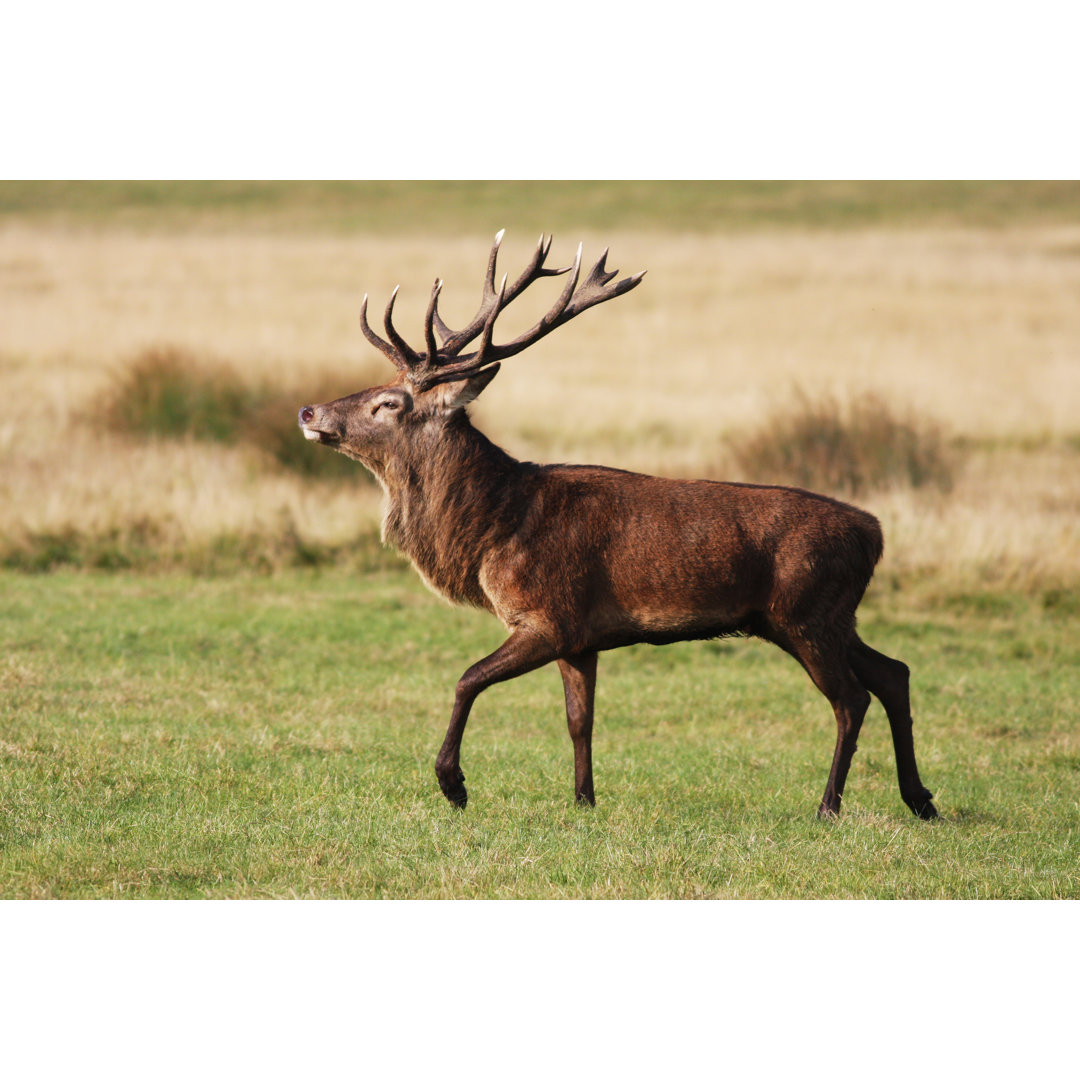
(435, 384)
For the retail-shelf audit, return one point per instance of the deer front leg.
(579, 685)
(523, 651)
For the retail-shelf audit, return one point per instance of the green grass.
(384, 206)
(272, 736)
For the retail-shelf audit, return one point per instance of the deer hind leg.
(828, 666)
(888, 680)
(579, 686)
(523, 651)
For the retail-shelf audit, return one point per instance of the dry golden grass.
(977, 330)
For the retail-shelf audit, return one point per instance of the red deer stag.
(575, 559)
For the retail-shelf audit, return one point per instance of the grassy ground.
(274, 736)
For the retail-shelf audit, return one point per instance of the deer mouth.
(327, 438)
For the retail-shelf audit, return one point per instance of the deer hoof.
(922, 807)
(453, 787)
(828, 813)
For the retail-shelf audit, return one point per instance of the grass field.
(215, 683)
(272, 737)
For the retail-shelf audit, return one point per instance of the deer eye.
(389, 403)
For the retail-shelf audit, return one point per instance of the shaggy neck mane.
(446, 504)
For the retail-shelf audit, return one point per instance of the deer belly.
(672, 615)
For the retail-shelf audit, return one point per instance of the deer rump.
(577, 559)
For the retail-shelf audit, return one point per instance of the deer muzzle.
(314, 434)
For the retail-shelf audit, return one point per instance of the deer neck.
(447, 501)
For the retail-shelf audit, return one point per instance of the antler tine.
(398, 359)
(489, 281)
(472, 363)
(429, 332)
(455, 341)
(487, 354)
(410, 358)
(595, 290)
(485, 337)
(552, 318)
(564, 298)
(536, 268)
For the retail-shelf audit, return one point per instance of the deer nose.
(307, 414)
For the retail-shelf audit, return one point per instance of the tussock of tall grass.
(845, 449)
(169, 392)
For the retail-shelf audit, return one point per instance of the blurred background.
(911, 346)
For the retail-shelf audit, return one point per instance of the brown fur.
(578, 559)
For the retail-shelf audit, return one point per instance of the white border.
(560, 90)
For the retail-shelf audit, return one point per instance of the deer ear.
(457, 395)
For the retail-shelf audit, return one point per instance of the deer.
(575, 560)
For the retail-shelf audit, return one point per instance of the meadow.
(216, 682)
(250, 736)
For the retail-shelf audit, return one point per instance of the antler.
(445, 363)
